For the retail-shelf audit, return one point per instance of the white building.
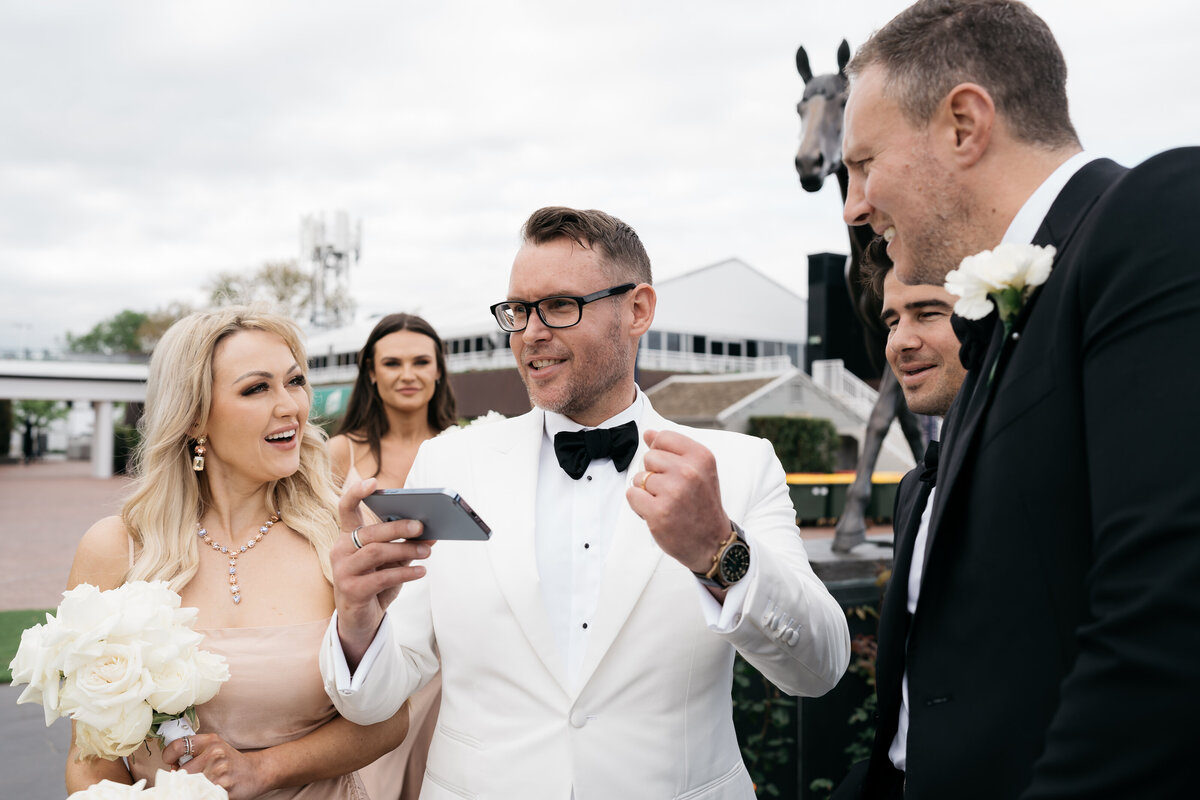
(726, 317)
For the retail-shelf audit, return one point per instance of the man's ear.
(644, 301)
(967, 116)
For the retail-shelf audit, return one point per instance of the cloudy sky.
(146, 146)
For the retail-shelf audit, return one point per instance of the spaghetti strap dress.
(274, 695)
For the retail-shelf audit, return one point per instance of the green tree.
(158, 321)
(39, 413)
(116, 335)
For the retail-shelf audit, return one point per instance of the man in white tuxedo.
(587, 648)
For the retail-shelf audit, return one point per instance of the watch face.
(735, 562)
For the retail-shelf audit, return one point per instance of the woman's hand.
(240, 774)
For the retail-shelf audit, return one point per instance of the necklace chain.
(234, 589)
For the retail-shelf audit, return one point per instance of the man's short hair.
(617, 245)
(874, 267)
(1001, 45)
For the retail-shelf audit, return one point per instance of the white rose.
(108, 689)
(117, 740)
(180, 785)
(108, 790)
(36, 663)
(210, 672)
(174, 687)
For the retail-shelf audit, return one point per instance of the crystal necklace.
(234, 589)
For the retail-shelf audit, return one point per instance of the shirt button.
(578, 719)
(585, 626)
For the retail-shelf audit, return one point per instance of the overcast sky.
(146, 146)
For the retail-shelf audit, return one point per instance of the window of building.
(654, 340)
(793, 352)
(735, 348)
(718, 348)
(673, 343)
(698, 344)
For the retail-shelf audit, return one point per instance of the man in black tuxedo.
(923, 353)
(1054, 651)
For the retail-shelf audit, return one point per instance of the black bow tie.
(577, 449)
(975, 336)
(929, 463)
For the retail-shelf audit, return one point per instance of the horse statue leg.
(851, 529)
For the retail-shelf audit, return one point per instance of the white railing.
(672, 361)
(832, 376)
(502, 358)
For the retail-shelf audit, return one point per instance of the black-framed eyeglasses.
(561, 311)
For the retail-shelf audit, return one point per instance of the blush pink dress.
(398, 775)
(274, 695)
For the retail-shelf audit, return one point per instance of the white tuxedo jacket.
(651, 714)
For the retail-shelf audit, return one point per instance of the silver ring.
(187, 745)
(354, 537)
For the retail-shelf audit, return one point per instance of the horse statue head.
(820, 111)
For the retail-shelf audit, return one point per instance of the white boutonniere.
(1002, 278)
(486, 419)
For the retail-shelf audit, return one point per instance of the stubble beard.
(609, 366)
(948, 234)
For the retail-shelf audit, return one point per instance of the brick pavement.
(44, 509)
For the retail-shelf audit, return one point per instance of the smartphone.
(443, 512)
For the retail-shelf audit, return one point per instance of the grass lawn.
(11, 625)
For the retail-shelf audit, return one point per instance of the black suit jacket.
(1055, 650)
(882, 779)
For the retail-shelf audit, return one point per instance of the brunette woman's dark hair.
(365, 420)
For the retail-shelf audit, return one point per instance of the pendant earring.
(199, 450)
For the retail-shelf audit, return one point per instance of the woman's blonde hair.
(169, 497)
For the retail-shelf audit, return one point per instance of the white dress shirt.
(574, 522)
(573, 528)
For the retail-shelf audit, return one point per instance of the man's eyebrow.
(915, 305)
(930, 303)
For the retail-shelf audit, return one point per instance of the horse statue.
(820, 155)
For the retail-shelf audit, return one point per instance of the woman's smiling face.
(259, 407)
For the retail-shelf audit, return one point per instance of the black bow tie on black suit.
(975, 336)
(577, 449)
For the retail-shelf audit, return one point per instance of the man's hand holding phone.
(369, 567)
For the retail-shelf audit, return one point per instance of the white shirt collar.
(1027, 221)
(557, 423)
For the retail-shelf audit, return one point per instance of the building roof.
(697, 397)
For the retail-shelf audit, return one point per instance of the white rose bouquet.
(118, 663)
(176, 785)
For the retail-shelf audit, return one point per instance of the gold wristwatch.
(731, 562)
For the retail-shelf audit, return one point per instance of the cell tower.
(331, 254)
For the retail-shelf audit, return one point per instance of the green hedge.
(803, 444)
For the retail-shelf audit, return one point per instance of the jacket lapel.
(511, 481)
(963, 421)
(632, 559)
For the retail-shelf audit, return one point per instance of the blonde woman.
(400, 399)
(228, 457)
